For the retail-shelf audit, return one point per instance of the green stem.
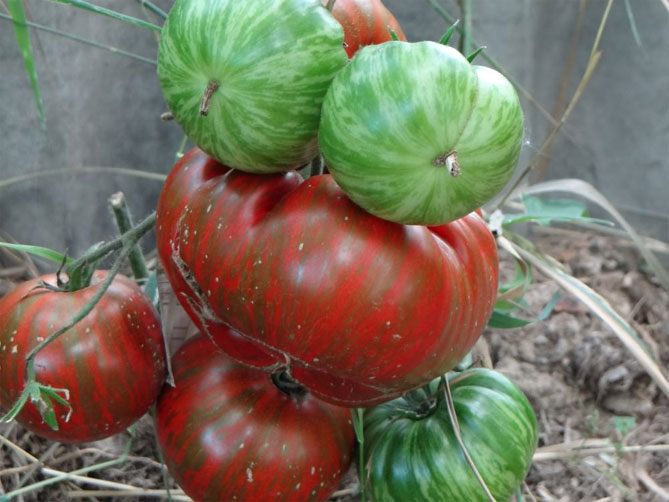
(124, 224)
(81, 4)
(316, 166)
(466, 40)
(134, 234)
(80, 39)
(153, 8)
(102, 289)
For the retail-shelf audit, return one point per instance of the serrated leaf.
(23, 39)
(42, 252)
(505, 321)
(81, 4)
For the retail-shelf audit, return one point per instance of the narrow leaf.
(23, 39)
(151, 289)
(449, 33)
(81, 4)
(548, 309)
(473, 55)
(47, 412)
(46, 253)
(630, 16)
(600, 307)
(393, 34)
(18, 406)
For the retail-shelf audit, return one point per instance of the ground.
(586, 388)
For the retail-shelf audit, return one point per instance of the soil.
(586, 388)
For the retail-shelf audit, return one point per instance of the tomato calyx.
(209, 91)
(449, 160)
(288, 385)
(419, 404)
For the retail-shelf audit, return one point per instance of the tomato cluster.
(349, 289)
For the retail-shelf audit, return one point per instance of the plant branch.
(134, 234)
(456, 430)
(124, 224)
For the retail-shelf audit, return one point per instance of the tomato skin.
(365, 22)
(359, 308)
(228, 433)
(271, 61)
(419, 458)
(415, 134)
(100, 360)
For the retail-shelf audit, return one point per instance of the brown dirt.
(576, 373)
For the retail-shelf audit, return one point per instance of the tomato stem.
(287, 384)
(206, 97)
(124, 224)
(449, 160)
(330, 5)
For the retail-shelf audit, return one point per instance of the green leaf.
(545, 211)
(584, 189)
(393, 34)
(548, 309)
(630, 16)
(23, 39)
(473, 55)
(505, 321)
(18, 406)
(81, 4)
(449, 33)
(46, 253)
(47, 411)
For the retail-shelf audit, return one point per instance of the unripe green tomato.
(246, 79)
(412, 452)
(413, 133)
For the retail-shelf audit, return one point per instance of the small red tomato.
(112, 362)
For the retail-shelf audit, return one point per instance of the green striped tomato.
(228, 433)
(412, 452)
(100, 360)
(415, 134)
(270, 63)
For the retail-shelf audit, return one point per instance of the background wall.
(102, 109)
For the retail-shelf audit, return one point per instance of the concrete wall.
(102, 109)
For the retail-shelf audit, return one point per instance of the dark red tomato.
(228, 433)
(112, 362)
(360, 309)
(365, 22)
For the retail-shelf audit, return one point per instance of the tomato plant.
(360, 309)
(365, 22)
(227, 432)
(413, 454)
(100, 360)
(415, 134)
(246, 80)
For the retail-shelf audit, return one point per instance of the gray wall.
(102, 109)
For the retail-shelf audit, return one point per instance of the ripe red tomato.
(360, 309)
(228, 433)
(112, 362)
(365, 22)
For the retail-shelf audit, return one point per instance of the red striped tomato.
(365, 22)
(360, 309)
(112, 362)
(228, 433)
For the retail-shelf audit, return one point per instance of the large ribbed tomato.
(228, 433)
(112, 362)
(365, 22)
(360, 309)
(413, 454)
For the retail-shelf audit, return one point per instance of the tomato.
(360, 309)
(412, 452)
(415, 134)
(365, 22)
(100, 360)
(228, 433)
(267, 63)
